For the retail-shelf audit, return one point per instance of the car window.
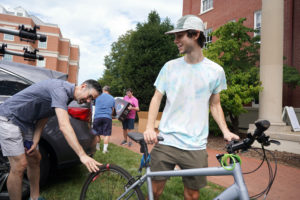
(10, 84)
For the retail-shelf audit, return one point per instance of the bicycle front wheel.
(109, 183)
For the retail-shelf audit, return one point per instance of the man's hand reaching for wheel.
(90, 163)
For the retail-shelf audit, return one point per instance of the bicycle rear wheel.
(109, 183)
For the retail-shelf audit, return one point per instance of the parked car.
(56, 153)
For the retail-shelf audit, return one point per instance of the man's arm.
(134, 107)
(69, 134)
(150, 135)
(37, 134)
(218, 115)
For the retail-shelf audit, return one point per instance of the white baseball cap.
(188, 22)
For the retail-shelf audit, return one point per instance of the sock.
(98, 146)
(105, 147)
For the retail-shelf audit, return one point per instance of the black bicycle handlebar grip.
(261, 126)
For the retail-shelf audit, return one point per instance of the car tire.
(45, 165)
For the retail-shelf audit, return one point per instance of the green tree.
(238, 53)
(148, 50)
(113, 62)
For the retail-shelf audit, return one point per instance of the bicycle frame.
(238, 190)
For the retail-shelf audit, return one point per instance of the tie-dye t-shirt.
(188, 87)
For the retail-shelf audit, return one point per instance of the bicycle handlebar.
(28, 34)
(258, 135)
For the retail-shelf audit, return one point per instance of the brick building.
(59, 54)
(216, 13)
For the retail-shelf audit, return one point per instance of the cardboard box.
(121, 107)
(143, 118)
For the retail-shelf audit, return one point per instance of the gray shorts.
(11, 138)
(165, 157)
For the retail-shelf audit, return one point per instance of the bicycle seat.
(136, 136)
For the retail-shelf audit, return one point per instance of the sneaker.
(124, 142)
(129, 144)
(104, 152)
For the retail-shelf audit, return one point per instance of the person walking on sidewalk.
(192, 84)
(104, 107)
(22, 119)
(128, 123)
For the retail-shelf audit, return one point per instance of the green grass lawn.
(66, 184)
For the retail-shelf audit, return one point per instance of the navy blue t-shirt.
(36, 102)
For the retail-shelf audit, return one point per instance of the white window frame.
(8, 37)
(206, 5)
(257, 22)
(41, 63)
(42, 45)
(208, 39)
(8, 57)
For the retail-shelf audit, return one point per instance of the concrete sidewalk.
(285, 187)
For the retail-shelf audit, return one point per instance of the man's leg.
(192, 184)
(107, 127)
(158, 188)
(98, 142)
(125, 133)
(33, 173)
(190, 194)
(18, 165)
(129, 140)
(130, 129)
(105, 141)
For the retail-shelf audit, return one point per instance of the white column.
(271, 61)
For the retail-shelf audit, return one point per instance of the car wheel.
(45, 165)
(4, 172)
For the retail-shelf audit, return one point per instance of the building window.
(208, 37)
(42, 45)
(206, 5)
(7, 57)
(19, 14)
(41, 63)
(8, 37)
(257, 22)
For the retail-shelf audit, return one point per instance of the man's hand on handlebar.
(229, 136)
(150, 136)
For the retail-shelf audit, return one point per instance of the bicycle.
(114, 182)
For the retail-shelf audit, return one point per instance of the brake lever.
(275, 142)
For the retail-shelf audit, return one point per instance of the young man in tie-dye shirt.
(192, 85)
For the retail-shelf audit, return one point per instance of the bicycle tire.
(109, 183)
